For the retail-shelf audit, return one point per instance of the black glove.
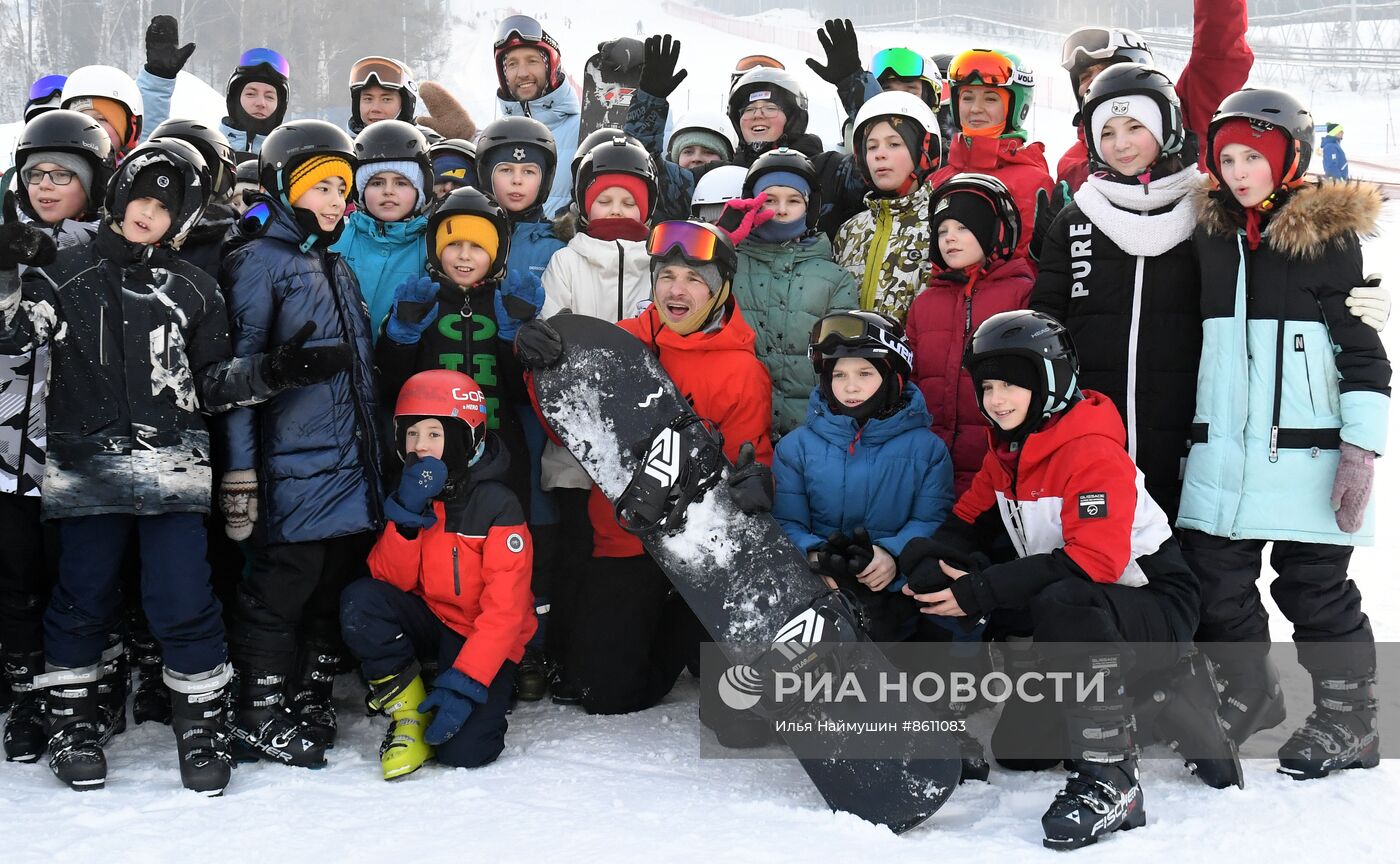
(293, 365)
(1047, 206)
(659, 75)
(537, 345)
(844, 558)
(164, 56)
(838, 40)
(621, 54)
(21, 243)
(751, 482)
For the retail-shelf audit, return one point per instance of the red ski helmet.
(446, 395)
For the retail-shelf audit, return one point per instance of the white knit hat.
(1135, 105)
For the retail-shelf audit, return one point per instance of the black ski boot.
(113, 688)
(1029, 736)
(561, 692)
(1188, 720)
(197, 716)
(264, 728)
(1102, 794)
(1252, 700)
(25, 736)
(310, 702)
(1340, 733)
(532, 676)
(76, 727)
(152, 701)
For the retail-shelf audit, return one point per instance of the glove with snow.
(838, 38)
(1370, 302)
(1351, 488)
(294, 365)
(1047, 206)
(518, 299)
(238, 499)
(22, 243)
(414, 311)
(751, 482)
(621, 54)
(164, 55)
(538, 345)
(741, 215)
(659, 78)
(454, 698)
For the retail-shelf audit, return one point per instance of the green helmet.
(989, 67)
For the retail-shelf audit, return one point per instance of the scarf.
(1122, 211)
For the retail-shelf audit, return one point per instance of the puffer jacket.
(316, 449)
(382, 255)
(940, 322)
(1287, 373)
(471, 567)
(204, 246)
(156, 94)
(559, 110)
(784, 288)
(886, 248)
(1018, 165)
(892, 476)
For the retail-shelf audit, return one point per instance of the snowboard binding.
(810, 644)
(683, 460)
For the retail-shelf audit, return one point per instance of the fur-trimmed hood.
(1313, 216)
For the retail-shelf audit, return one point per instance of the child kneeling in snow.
(451, 584)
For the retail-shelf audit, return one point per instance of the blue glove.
(410, 506)
(518, 299)
(415, 309)
(454, 697)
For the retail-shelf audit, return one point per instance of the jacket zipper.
(102, 334)
(620, 262)
(884, 223)
(1133, 330)
(456, 574)
(1300, 346)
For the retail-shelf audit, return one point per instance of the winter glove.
(1351, 488)
(238, 499)
(22, 243)
(446, 116)
(414, 311)
(1370, 302)
(838, 38)
(517, 300)
(538, 345)
(751, 482)
(919, 563)
(164, 56)
(294, 365)
(1047, 207)
(659, 75)
(844, 558)
(410, 506)
(621, 54)
(741, 215)
(454, 697)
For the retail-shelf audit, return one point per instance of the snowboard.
(740, 575)
(607, 94)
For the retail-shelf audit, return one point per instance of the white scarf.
(1119, 210)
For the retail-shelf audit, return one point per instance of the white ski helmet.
(108, 82)
(719, 186)
(924, 142)
(704, 121)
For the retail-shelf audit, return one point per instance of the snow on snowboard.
(607, 400)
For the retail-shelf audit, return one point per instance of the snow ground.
(634, 788)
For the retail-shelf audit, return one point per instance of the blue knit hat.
(783, 178)
(411, 170)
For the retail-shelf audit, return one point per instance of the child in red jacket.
(451, 584)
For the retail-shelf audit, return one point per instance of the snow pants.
(26, 574)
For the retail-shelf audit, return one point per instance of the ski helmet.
(516, 139)
(912, 119)
(1267, 109)
(383, 72)
(460, 148)
(211, 144)
(1122, 80)
(45, 94)
(1000, 69)
(395, 141)
(857, 333)
(290, 144)
(620, 156)
(788, 161)
(711, 122)
(591, 140)
(184, 158)
(718, 187)
(1039, 339)
(1092, 46)
(430, 135)
(261, 66)
(522, 31)
(991, 190)
(112, 84)
(750, 62)
(66, 132)
(772, 85)
(470, 201)
(247, 172)
(455, 400)
(909, 65)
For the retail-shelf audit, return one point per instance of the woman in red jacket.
(451, 584)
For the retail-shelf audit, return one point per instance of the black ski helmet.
(290, 144)
(198, 183)
(774, 85)
(247, 172)
(622, 155)
(1039, 339)
(787, 160)
(470, 201)
(67, 132)
(995, 193)
(265, 66)
(1135, 79)
(1266, 108)
(210, 143)
(591, 140)
(864, 334)
(500, 142)
(383, 72)
(395, 141)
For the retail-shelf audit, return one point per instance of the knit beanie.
(161, 181)
(1006, 367)
(409, 170)
(881, 402)
(634, 186)
(313, 170)
(973, 211)
(1335, 129)
(1135, 105)
(477, 229)
(1271, 142)
(783, 178)
(111, 110)
(453, 168)
(80, 167)
(711, 141)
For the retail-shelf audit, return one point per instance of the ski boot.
(1340, 733)
(112, 689)
(75, 727)
(264, 728)
(25, 737)
(1252, 700)
(532, 676)
(561, 692)
(153, 700)
(403, 750)
(310, 702)
(1028, 735)
(681, 462)
(197, 716)
(1187, 719)
(1101, 794)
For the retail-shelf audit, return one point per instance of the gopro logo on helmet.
(468, 395)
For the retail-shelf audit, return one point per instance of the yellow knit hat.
(313, 171)
(477, 229)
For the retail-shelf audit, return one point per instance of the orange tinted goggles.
(980, 66)
(695, 241)
(386, 72)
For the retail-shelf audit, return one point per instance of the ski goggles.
(899, 62)
(989, 68)
(1088, 45)
(389, 74)
(522, 30)
(256, 217)
(47, 87)
(696, 241)
(844, 329)
(756, 61)
(254, 57)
